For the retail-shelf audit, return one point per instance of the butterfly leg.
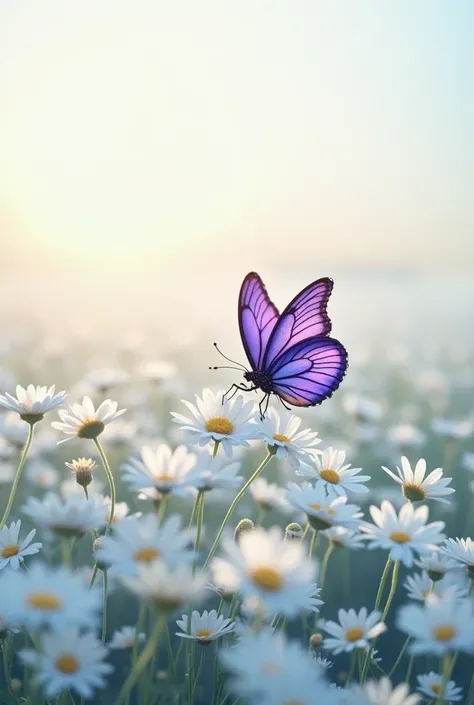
(288, 408)
(265, 400)
(236, 388)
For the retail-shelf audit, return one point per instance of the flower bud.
(243, 526)
(293, 531)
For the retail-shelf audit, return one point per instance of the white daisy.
(353, 630)
(84, 421)
(307, 690)
(33, 402)
(51, 597)
(381, 693)
(404, 535)
(105, 379)
(432, 685)
(419, 586)
(269, 495)
(460, 554)
(363, 409)
(322, 511)
(167, 588)
(217, 420)
(468, 461)
(69, 660)
(347, 538)
(157, 371)
(205, 627)
(14, 429)
(42, 474)
(452, 429)
(285, 441)
(120, 511)
(7, 473)
(139, 541)
(125, 637)
(161, 468)
(73, 516)
(436, 564)
(416, 487)
(330, 471)
(439, 626)
(265, 566)
(12, 550)
(405, 435)
(211, 473)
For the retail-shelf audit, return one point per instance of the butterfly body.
(261, 380)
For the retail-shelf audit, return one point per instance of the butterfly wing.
(310, 371)
(303, 318)
(257, 318)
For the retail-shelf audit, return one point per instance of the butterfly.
(290, 354)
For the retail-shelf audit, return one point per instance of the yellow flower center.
(219, 424)
(435, 688)
(445, 632)
(10, 551)
(271, 667)
(400, 537)
(164, 478)
(43, 601)
(203, 634)
(354, 634)
(67, 664)
(320, 508)
(267, 578)
(146, 555)
(281, 437)
(330, 476)
(90, 429)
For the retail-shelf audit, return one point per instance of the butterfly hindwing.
(310, 371)
(257, 318)
(303, 318)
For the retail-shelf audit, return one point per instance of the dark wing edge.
(257, 316)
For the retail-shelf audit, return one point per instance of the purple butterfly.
(290, 354)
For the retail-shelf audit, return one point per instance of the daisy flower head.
(265, 566)
(69, 517)
(14, 429)
(405, 435)
(211, 473)
(33, 402)
(420, 586)
(215, 419)
(82, 470)
(49, 597)
(381, 693)
(452, 430)
(280, 431)
(339, 536)
(459, 553)
(338, 479)
(68, 660)
(125, 638)
(42, 474)
(432, 686)
(84, 421)
(363, 409)
(161, 469)
(322, 511)
(438, 627)
(105, 379)
(416, 487)
(137, 541)
(204, 628)
(436, 564)
(404, 535)
(269, 495)
(12, 549)
(167, 588)
(353, 631)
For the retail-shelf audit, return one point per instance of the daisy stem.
(21, 465)
(393, 587)
(313, 544)
(145, 657)
(260, 516)
(383, 580)
(448, 663)
(237, 499)
(410, 669)
(191, 645)
(104, 607)
(163, 506)
(198, 673)
(399, 657)
(324, 566)
(352, 666)
(305, 532)
(378, 600)
(470, 691)
(110, 479)
(6, 670)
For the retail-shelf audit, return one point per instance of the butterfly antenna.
(228, 358)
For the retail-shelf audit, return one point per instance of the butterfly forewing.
(303, 318)
(257, 318)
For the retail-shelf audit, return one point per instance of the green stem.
(110, 479)
(198, 672)
(447, 668)
(260, 515)
(410, 669)
(94, 575)
(162, 508)
(324, 566)
(6, 670)
(352, 666)
(393, 588)
(383, 580)
(21, 465)
(104, 608)
(191, 645)
(142, 662)
(313, 543)
(66, 551)
(237, 499)
(399, 657)
(138, 629)
(470, 691)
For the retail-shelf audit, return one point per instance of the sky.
(153, 143)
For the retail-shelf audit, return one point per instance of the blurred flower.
(167, 588)
(124, 638)
(269, 495)
(280, 433)
(404, 535)
(381, 693)
(468, 461)
(205, 627)
(432, 685)
(416, 487)
(162, 468)
(14, 429)
(450, 429)
(436, 564)
(322, 511)
(84, 421)
(6, 451)
(362, 408)
(42, 474)
(70, 488)
(218, 420)
(439, 626)
(120, 433)
(211, 473)
(138, 541)
(337, 478)
(7, 473)
(419, 586)
(12, 550)
(264, 566)
(406, 435)
(67, 517)
(105, 379)
(33, 402)
(348, 538)
(353, 630)
(157, 371)
(68, 660)
(460, 554)
(48, 597)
